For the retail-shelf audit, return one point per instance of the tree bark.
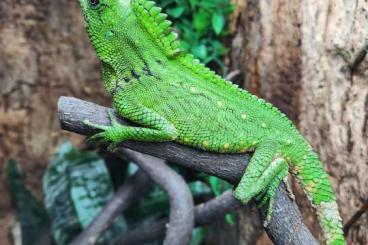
(44, 53)
(287, 50)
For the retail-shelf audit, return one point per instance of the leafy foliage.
(77, 185)
(30, 212)
(157, 202)
(219, 186)
(201, 24)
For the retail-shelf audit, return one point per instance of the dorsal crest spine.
(159, 28)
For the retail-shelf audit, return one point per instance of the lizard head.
(126, 35)
(109, 24)
(103, 19)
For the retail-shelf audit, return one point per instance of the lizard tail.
(317, 186)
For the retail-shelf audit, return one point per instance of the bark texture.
(44, 53)
(287, 50)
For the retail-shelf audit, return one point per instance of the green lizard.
(173, 97)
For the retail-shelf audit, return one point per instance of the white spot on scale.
(330, 211)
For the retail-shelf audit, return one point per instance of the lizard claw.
(267, 197)
(113, 119)
(112, 146)
(269, 201)
(96, 126)
(108, 136)
(289, 190)
(97, 138)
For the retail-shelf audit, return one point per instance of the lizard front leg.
(153, 126)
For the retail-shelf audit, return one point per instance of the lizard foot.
(267, 198)
(289, 190)
(110, 135)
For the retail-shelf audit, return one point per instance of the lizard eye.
(94, 3)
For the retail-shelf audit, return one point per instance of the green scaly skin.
(172, 97)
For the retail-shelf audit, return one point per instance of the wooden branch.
(286, 226)
(357, 215)
(124, 197)
(205, 213)
(181, 223)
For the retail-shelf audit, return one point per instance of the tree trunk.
(45, 53)
(288, 51)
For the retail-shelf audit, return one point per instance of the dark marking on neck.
(135, 74)
(146, 69)
(118, 88)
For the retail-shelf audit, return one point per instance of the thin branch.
(230, 167)
(286, 226)
(180, 226)
(216, 208)
(124, 197)
(355, 218)
(359, 57)
(204, 214)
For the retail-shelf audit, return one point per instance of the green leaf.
(215, 185)
(201, 23)
(193, 3)
(201, 20)
(218, 23)
(157, 201)
(14, 180)
(218, 186)
(199, 234)
(176, 12)
(230, 218)
(200, 51)
(77, 185)
(199, 188)
(208, 4)
(185, 45)
(30, 212)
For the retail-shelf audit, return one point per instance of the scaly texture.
(172, 97)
